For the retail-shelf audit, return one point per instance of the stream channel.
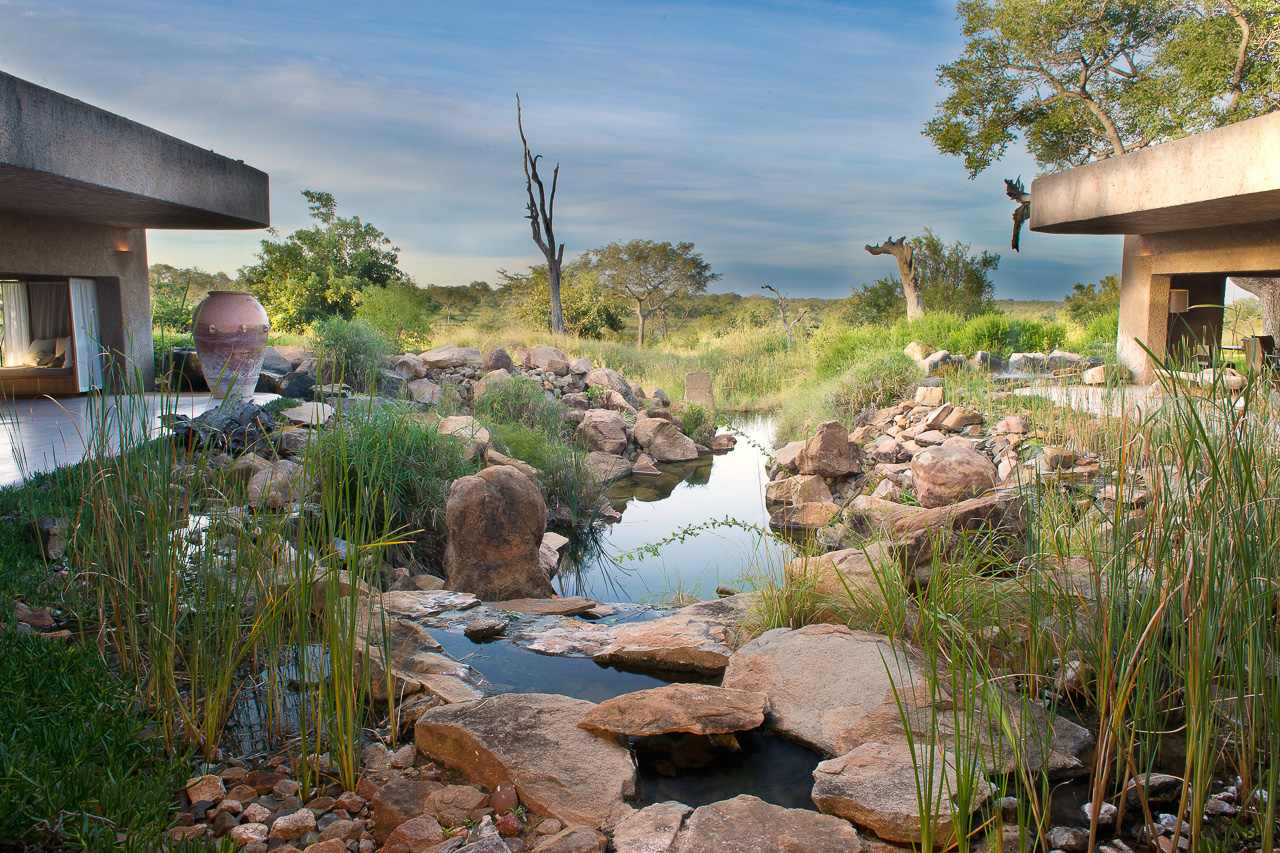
(657, 509)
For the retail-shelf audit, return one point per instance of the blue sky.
(779, 138)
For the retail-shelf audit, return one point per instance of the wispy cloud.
(778, 137)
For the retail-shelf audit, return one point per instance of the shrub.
(400, 311)
(997, 333)
(699, 424)
(516, 400)
(836, 345)
(402, 464)
(876, 378)
(353, 350)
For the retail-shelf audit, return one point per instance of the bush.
(404, 466)
(516, 400)
(996, 333)
(876, 378)
(401, 312)
(352, 350)
(836, 345)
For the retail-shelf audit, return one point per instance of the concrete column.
(1144, 310)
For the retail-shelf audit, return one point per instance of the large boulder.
(534, 741)
(499, 359)
(830, 453)
(829, 687)
(693, 639)
(546, 358)
(424, 391)
(748, 824)
(879, 786)
(607, 466)
(408, 365)
(664, 441)
(605, 431)
(695, 708)
(603, 377)
(653, 829)
(283, 482)
(495, 522)
(849, 579)
(946, 475)
(450, 355)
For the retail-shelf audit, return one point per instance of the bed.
(50, 342)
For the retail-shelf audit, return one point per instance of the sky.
(778, 138)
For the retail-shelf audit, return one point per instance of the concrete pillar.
(1144, 310)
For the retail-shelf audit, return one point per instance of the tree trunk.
(641, 316)
(557, 313)
(905, 256)
(1268, 292)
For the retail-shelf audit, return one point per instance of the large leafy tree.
(1088, 301)
(320, 271)
(175, 293)
(587, 310)
(949, 276)
(1080, 80)
(651, 275)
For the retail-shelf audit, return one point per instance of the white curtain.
(84, 319)
(17, 322)
(50, 309)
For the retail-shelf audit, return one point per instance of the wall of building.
(1149, 267)
(117, 257)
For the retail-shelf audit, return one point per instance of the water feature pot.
(230, 329)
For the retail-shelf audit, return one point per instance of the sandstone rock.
(574, 839)
(493, 458)
(484, 627)
(890, 452)
(929, 438)
(694, 708)
(603, 430)
(961, 418)
(788, 456)
(246, 467)
(803, 517)
(645, 464)
(936, 363)
(946, 475)
(653, 829)
(309, 414)
(1054, 458)
(580, 366)
(929, 395)
(249, 833)
(466, 429)
(457, 805)
(916, 351)
(607, 466)
(542, 357)
(603, 377)
(664, 441)
(450, 355)
(499, 359)
(697, 390)
(750, 825)
(294, 826)
(207, 788)
(1063, 360)
(495, 522)
(659, 395)
(828, 686)
(1027, 362)
(417, 834)
(572, 606)
(1106, 373)
(282, 483)
(398, 801)
(1011, 425)
(875, 785)
(847, 578)
(801, 489)
(424, 391)
(614, 401)
(544, 756)
(693, 639)
(723, 443)
(830, 453)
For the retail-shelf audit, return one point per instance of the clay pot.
(230, 328)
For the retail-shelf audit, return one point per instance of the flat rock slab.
(570, 638)
(693, 639)
(877, 786)
(828, 686)
(547, 606)
(606, 467)
(653, 829)
(310, 414)
(424, 604)
(695, 708)
(748, 824)
(534, 740)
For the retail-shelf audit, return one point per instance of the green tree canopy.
(457, 298)
(1080, 80)
(588, 311)
(400, 311)
(176, 292)
(950, 276)
(1087, 301)
(650, 275)
(320, 271)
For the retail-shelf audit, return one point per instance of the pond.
(657, 510)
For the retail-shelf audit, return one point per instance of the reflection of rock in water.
(649, 489)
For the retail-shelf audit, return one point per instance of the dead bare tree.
(1016, 191)
(782, 311)
(540, 215)
(905, 256)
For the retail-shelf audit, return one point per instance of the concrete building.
(79, 187)
(1194, 212)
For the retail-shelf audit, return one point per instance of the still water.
(656, 509)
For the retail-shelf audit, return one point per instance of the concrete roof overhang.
(1222, 177)
(65, 159)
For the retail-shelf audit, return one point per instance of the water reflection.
(657, 508)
